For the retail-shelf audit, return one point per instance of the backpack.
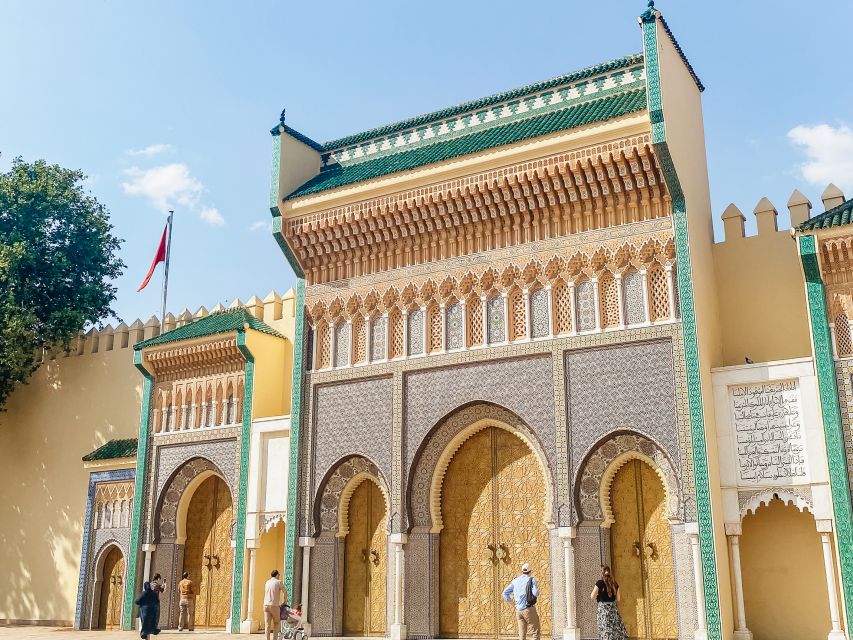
(528, 595)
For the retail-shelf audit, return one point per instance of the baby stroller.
(291, 623)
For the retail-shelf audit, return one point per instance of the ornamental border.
(688, 324)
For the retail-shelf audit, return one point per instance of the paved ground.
(54, 633)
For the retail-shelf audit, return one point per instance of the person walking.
(275, 595)
(522, 592)
(149, 607)
(158, 586)
(606, 593)
(186, 618)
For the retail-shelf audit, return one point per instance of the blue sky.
(166, 103)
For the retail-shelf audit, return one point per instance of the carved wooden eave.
(603, 185)
(836, 257)
(200, 357)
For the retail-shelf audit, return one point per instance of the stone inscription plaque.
(769, 435)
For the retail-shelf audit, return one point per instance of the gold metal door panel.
(208, 556)
(112, 576)
(641, 553)
(365, 562)
(492, 501)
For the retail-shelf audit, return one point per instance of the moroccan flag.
(159, 257)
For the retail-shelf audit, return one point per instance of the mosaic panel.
(635, 308)
(415, 324)
(455, 338)
(539, 313)
(329, 503)
(222, 453)
(585, 305)
(419, 578)
(495, 313)
(627, 387)
(844, 380)
(323, 577)
(342, 334)
(166, 527)
(353, 418)
(685, 591)
(589, 556)
(378, 328)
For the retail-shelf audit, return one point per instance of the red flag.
(160, 257)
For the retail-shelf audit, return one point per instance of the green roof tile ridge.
(113, 449)
(597, 110)
(838, 216)
(479, 103)
(220, 322)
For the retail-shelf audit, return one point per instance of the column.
(734, 531)
(671, 290)
(147, 549)
(485, 310)
(250, 625)
(385, 355)
(692, 530)
(398, 628)
(549, 298)
(464, 309)
(570, 631)
(824, 527)
(351, 342)
(644, 279)
(573, 307)
(368, 338)
(528, 325)
(424, 336)
(332, 362)
(315, 357)
(306, 543)
(506, 316)
(596, 303)
(404, 317)
(620, 299)
(442, 318)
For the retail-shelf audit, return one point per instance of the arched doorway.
(492, 510)
(641, 552)
(365, 562)
(208, 556)
(784, 581)
(112, 590)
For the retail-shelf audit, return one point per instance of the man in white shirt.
(275, 595)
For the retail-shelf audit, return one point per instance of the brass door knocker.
(374, 557)
(654, 550)
(638, 549)
(502, 552)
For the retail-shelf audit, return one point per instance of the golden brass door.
(641, 553)
(492, 508)
(112, 590)
(365, 561)
(208, 555)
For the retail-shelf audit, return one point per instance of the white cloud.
(260, 225)
(212, 216)
(150, 150)
(167, 186)
(829, 153)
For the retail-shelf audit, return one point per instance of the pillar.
(464, 308)
(644, 279)
(596, 303)
(424, 335)
(250, 624)
(504, 299)
(350, 344)
(670, 283)
(368, 338)
(528, 325)
(306, 543)
(385, 355)
(332, 363)
(692, 530)
(442, 318)
(549, 299)
(573, 307)
(620, 300)
(824, 527)
(570, 631)
(404, 318)
(485, 311)
(398, 628)
(734, 531)
(148, 550)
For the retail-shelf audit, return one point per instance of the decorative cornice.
(197, 358)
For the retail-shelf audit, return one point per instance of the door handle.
(374, 557)
(501, 552)
(206, 560)
(215, 561)
(654, 550)
(638, 549)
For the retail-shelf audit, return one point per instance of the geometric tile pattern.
(539, 313)
(166, 526)
(329, 503)
(495, 309)
(585, 305)
(455, 330)
(222, 453)
(635, 309)
(415, 322)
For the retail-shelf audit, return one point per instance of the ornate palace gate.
(492, 508)
(365, 561)
(112, 590)
(208, 555)
(641, 552)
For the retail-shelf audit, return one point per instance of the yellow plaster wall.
(784, 583)
(273, 366)
(761, 299)
(71, 406)
(685, 136)
(268, 556)
(298, 164)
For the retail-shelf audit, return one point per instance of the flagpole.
(166, 271)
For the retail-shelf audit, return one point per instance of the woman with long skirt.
(606, 593)
(149, 608)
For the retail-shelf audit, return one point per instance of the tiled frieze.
(329, 503)
(844, 378)
(222, 453)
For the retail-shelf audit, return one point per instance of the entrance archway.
(492, 505)
(365, 558)
(208, 556)
(112, 590)
(641, 551)
(784, 581)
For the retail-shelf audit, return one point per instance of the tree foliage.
(58, 257)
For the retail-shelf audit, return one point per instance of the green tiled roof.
(125, 448)
(589, 72)
(222, 322)
(613, 106)
(835, 217)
